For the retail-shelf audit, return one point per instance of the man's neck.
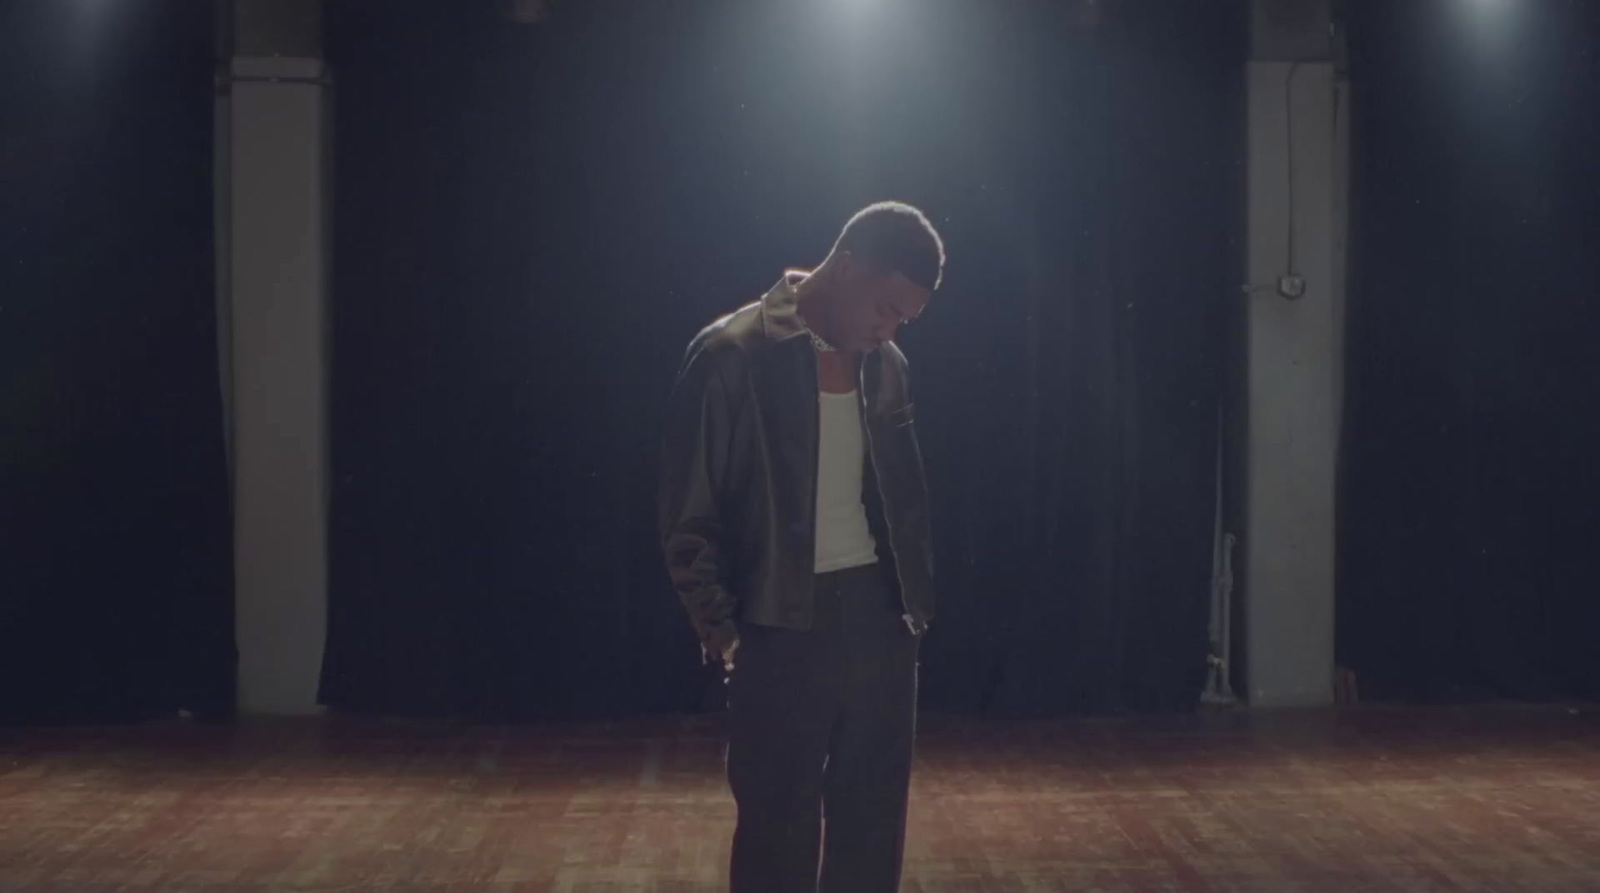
(838, 371)
(811, 305)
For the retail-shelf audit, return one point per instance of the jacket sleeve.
(693, 458)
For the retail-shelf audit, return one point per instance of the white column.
(275, 224)
(1295, 265)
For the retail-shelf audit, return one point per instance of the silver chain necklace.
(817, 343)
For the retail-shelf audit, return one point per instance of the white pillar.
(273, 170)
(1295, 264)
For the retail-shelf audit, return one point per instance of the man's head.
(879, 276)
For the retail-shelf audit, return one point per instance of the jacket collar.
(779, 319)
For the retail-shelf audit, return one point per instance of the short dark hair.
(896, 238)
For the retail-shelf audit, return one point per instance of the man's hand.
(722, 642)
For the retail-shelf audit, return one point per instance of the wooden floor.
(1504, 799)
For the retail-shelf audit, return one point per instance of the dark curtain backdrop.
(115, 559)
(1471, 503)
(533, 221)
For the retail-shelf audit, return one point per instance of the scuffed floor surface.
(1501, 799)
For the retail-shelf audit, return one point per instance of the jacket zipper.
(883, 500)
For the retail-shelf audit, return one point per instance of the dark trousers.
(820, 732)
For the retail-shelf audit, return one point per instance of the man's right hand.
(721, 641)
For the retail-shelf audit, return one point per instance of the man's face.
(872, 306)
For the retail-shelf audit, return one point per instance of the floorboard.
(1370, 800)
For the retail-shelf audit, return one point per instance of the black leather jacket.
(739, 474)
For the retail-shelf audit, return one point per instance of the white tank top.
(843, 538)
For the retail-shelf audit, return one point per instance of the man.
(795, 523)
